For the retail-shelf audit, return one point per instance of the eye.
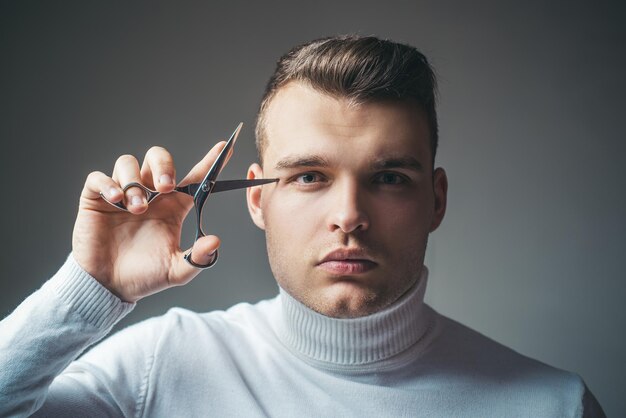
(389, 178)
(307, 178)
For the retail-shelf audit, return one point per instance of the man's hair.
(361, 69)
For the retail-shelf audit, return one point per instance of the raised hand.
(137, 253)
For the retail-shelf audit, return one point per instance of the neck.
(354, 341)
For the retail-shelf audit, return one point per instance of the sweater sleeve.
(48, 331)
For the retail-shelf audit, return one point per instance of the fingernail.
(113, 192)
(165, 179)
(136, 200)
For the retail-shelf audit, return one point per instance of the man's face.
(347, 224)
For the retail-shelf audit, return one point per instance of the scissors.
(201, 191)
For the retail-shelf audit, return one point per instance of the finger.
(202, 253)
(158, 171)
(97, 183)
(197, 173)
(126, 171)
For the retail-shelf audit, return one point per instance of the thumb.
(203, 253)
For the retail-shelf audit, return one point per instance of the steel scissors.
(201, 191)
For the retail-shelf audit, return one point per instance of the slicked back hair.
(360, 69)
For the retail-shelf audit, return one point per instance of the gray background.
(531, 110)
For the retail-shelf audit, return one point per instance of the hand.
(137, 253)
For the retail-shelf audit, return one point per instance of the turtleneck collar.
(356, 341)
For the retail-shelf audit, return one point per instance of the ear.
(253, 196)
(440, 186)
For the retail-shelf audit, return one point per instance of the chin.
(347, 299)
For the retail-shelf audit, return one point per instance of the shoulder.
(478, 360)
(464, 345)
(241, 317)
(183, 329)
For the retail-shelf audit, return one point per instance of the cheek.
(290, 228)
(401, 233)
(403, 214)
(291, 220)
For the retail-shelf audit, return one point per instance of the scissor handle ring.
(150, 195)
(188, 259)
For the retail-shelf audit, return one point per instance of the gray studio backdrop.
(531, 109)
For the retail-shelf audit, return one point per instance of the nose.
(348, 208)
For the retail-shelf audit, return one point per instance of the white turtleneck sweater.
(276, 358)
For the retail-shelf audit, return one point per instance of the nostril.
(352, 223)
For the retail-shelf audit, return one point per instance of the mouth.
(347, 261)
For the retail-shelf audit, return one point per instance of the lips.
(347, 261)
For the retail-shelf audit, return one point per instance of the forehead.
(303, 121)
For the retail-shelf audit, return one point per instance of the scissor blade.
(225, 185)
(216, 168)
(189, 189)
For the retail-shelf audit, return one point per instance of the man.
(348, 126)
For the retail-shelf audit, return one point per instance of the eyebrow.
(397, 162)
(296, 161)
(302, 161)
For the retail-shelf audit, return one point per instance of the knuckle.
(164, 164)
(159, 157)
(156, 149)
(125, 159)
(134, 191)
(95, 178)
(158, 154)
(94, 175)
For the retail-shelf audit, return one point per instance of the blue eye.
(307, 178)
(390, 178)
